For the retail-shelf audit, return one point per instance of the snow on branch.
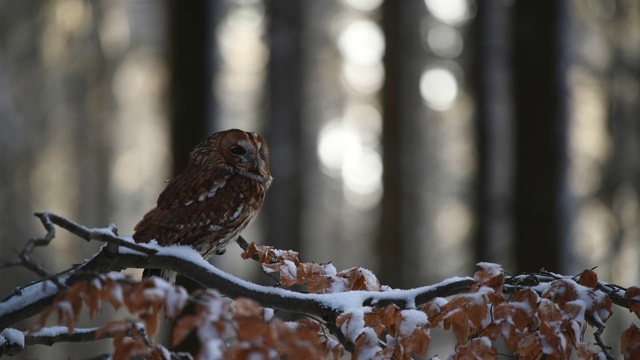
(346, 309)
(13, 341)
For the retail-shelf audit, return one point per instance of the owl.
(218, 195)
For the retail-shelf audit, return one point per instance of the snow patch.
(12, 336)
(289, 270)
(372, 348)
(355, 325)
(329, 270)
(268, 314)
(410, 320)
(491, 268)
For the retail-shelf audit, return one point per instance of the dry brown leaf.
(247, 308)
(389, 317)
(490, 275)
(630, 343)
(92, 299)
(588, 278)
(343, 319)
(313, 275)
(478, 348)
(248, 351)
(255, 330)
(553, 340)
(527, 347)
(418, 342)
(373, 321)
(561, 291)
(632, 295)
(434, 311)
(524, 315)
(456, 319)
(248, 253)
(549, 312)
(337, 350)
(363, 345)
(150, 321)
(183, 327)
(360, 279)
(320, 284)
(583, 351)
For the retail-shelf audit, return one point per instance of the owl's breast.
(221, 218)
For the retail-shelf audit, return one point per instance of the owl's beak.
(254, 162)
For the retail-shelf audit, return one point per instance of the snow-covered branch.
(121, 253)
(13, 341)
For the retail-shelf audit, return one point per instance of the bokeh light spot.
(445, 41)
(362, 42)
(448, 11)
(439, 88)
(337, 142)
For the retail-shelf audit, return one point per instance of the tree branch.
(34, 298)
(12, 341)
(18, 340)
(606, 350)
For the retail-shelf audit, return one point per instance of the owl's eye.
(238, 150)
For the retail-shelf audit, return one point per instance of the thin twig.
(598, 336)
(56, 334)
(108, 235)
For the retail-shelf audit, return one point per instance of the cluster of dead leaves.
(549, 325)
(318, 278)
(403, 333)
(145, 299)
(262, 334)
(257, 330)
(630, 338)
(545, 321)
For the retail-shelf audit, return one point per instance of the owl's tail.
(169, 276)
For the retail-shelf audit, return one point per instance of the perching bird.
(213, 200)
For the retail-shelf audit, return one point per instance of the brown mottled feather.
(214, 199)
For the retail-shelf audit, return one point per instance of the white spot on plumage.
(202, 196)
(188, 203)
(236, 214)
(213, 191)
(214, 228)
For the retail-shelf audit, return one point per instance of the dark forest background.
(413, 138)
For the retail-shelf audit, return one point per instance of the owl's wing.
(180, 206)
(192, 186)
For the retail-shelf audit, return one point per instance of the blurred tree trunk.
(399, 246)
(283, 206)
(390, 246)
(192, 70)
(494, 133)
(541, 55)
(192, 50)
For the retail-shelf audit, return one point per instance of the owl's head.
(245, 152)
